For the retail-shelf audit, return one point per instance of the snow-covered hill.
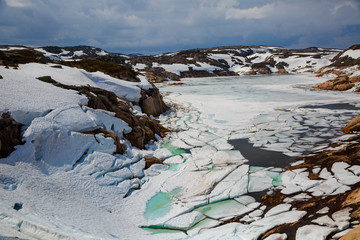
(78, 132)
(233, 61)
(344, 71)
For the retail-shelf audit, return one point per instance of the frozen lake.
(247, 106)
(231, 138)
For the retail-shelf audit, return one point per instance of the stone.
(151, 161)
(151, 102)
(352, 198)
(341, 83)
(355, 79)
(9, 135)
(352, 235)
(352, 126)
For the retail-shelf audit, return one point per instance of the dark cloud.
(167, 25)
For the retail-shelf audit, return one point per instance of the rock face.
(9, 135)
(151, 102)
(352, 126)
(352, 235)
(21, 56)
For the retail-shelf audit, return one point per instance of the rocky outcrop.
(13, 58)
(9, 135)
(352, 126)
(159, 74)
(341, 83)
(344, 67)
(152, 103)
(261, 68)
(354, 234)
(144, 128)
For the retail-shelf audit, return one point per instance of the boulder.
(343, 87)
(341, 83)
(355, 79)
(152, 103)
(261, 68)
(352, 235)
(151, 161)
(352, 126)
(264, 70)
(9, 135)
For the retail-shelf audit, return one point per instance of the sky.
(158, 26)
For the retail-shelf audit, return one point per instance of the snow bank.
(355, 54)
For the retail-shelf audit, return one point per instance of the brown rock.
(151, 102)
(341, 83)
(264, 70)
(9, 135)
(282, 71)
(352, 235)
(137, 137)
(343, 87)
(328, 85)
(176, 83)
(323, 71)
(152, 160)
(352, 198)
(355, 79)
(154, 78)
(352, 126)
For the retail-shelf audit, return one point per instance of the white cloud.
(17, 3)
(251, 13)
(337, 7)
